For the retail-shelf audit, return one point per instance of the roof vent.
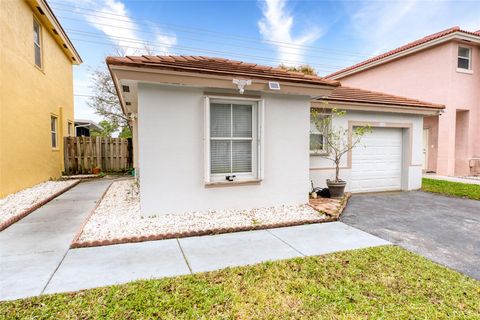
(65, 46)
(40, 10)
(128, 103)
(125, 88)
(55, 31)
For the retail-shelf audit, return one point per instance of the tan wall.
(28, 97)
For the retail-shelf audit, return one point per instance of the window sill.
(464, 71)
(55, 149)
(232, 183)
(39, 68)
(319, 154)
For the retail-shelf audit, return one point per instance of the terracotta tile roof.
(404, 47)
(219, 66)
(348, 94)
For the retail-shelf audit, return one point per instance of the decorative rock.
(118, 218)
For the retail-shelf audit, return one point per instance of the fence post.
(66, 161)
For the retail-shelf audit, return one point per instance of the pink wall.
(431, 123)
(431, 75)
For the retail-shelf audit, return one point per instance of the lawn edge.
(7, 223)
(448, 194)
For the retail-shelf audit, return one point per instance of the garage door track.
(443, 229)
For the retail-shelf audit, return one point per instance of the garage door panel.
(377, 163)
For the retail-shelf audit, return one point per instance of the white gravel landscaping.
(16, 203)
(118, 216)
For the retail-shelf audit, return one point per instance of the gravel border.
(5, 224)
(78, 242)
(87, 244)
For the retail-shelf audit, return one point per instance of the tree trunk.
(337, 170)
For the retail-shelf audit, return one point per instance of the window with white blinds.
(37, 43)
(232, 139)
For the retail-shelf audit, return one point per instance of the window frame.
(39, 44)
(319, 152)
(54, 131)
(469, 59)
(257, 141)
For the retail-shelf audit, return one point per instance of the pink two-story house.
(443, 68)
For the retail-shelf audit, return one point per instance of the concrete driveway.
(443, 229)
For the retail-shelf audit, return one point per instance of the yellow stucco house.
(36, 94)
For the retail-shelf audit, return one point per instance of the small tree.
(105, 100)
(125, 133)
(108, 128)
(336, 139)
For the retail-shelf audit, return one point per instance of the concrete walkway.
(32, 249)
(452, 179)
(35, 258)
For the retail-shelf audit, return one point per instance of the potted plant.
(337, 142)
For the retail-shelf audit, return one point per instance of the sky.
(327, 35)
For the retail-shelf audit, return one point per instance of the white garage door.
(377, 161)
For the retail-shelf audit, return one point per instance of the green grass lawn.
(384, 282)
(456, 189)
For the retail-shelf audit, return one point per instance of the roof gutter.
(376, 107)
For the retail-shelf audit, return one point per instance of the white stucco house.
(212, 133)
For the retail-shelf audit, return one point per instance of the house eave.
(376, 107)
(192, 79)
(458, 35)
(61, 38)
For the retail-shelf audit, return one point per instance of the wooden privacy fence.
(82, 154)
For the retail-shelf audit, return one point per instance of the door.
(425, 149)
(377, 161)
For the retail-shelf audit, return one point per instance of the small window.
(37, 40)
(464, 58)
(53, 128)
(318, 145)
(233, 140)
(70, 128)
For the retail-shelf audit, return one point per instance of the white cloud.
(113, 19)
(276, 26)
